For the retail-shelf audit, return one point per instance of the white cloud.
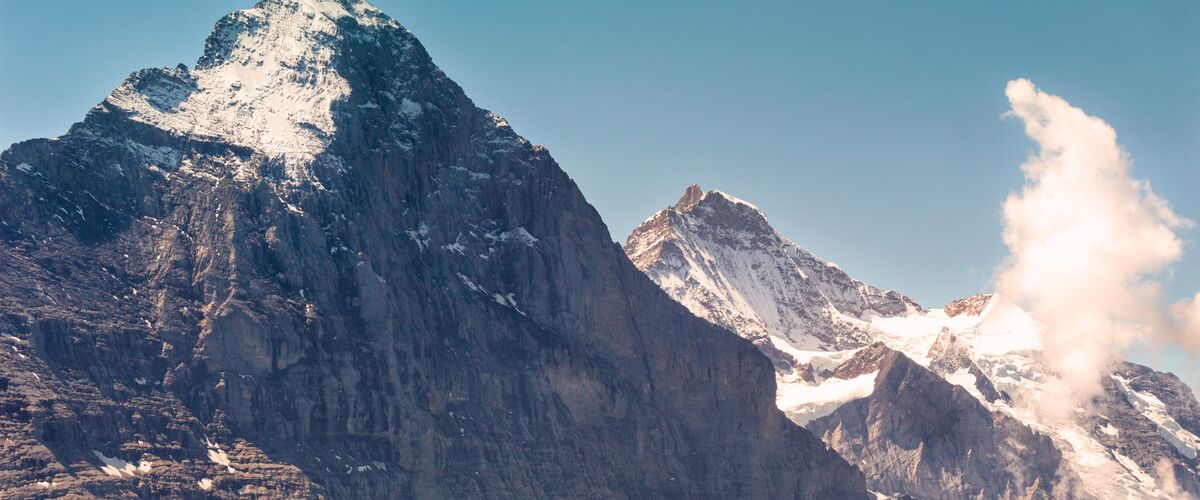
(1186, 315)
(1088, 244)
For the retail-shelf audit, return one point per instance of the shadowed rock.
(311, 266)
(920, 435)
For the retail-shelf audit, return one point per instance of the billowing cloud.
(1186, 316)
(1088, 244)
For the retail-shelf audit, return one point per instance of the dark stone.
(436, 313)
(919, 435)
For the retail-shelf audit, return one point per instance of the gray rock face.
(310, 266)
(915, 433)
(1160, 440)
(948, 355)
(920, 435)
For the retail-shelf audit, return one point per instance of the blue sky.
(870, 132)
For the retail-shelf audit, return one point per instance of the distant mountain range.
(932, 403)
(309, 266)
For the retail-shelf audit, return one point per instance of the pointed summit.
(337, 270)
(288, 28)
(276, 78)
(691, 197)
(719, 256)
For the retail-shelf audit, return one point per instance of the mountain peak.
(735, 216)
(970, 306)
(719, 256)
(278, 77)
(691, 197)
(304, 254)
(288, 30)
(694, 195)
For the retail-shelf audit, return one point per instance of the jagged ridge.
(719, 256)
(312, 267)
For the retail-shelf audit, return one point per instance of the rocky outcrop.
(1179, 401)
(1149, 418)
(970, 306)
(310, 266)
(920, 435)
(950, 357)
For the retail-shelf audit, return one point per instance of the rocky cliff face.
(907, 427)
(948, 404)
(310, 266)
(920, 435)
(1150, 419)
(719, 256)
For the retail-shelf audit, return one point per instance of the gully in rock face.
(310, 266)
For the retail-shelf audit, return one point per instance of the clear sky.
(870, 132)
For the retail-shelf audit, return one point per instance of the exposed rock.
(971, 306)
(949, 357)
(920, 435)
(719, 256)
(915, 432)
(312, 267)
(866, 360)
(1149, 418)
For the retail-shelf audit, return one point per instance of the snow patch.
(1133, 469)
(965, 379)
(420, 236)
(519, 235)
(735, 200)
(507, 301)
(1156, 411)
(410, 108)
(218, 456)
(119, 468)
(471, 284)
(804, 402)
(267, 81)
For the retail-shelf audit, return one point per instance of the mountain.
(920, 435)
(310, 266)
(719, 256)
(933, 403)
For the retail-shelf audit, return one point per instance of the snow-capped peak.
(269, 78)
(694, 194)
(737, 201)
(691, 197)
(720, 257)
(361, 10)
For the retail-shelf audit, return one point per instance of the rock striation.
(919, 435)
(718, 255)
(310, 266)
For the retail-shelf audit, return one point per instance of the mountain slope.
(718, 256)
(923, 436)
(968, 381)
(310, 266)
